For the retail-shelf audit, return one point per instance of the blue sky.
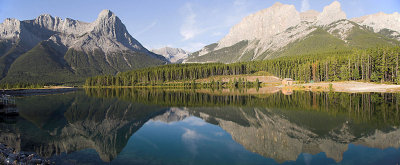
(188, 24)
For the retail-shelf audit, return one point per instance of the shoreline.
(347, 87)
(39, 91)
(9, 155)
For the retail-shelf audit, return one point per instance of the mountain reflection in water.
(177, 126)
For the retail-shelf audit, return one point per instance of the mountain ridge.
(270, 31)
(103, 46)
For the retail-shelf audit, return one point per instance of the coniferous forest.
(379, 64)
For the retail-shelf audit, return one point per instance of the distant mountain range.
(52, 50)
(283, 31)
(174, 55)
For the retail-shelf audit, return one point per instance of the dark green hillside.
(8, 53)
(224, 55)
(42, 64)
(316, 42)
(210, 47)
(96, 63)
(92, 63)
(389, 33)
(322, 42)
(364, 38)
(47, 63)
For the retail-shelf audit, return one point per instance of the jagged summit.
(277, 4)
(271, 32)
(103, 46)
(331, 13)
(380, 21)
(106, 14)
(264, 23)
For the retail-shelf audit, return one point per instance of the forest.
(380, 64)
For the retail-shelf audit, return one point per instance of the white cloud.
(190, 138)
(194, 121)
(305, 5)
(190, 135)
(188, 29)
(147, 28)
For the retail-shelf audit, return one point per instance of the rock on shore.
(8, 156)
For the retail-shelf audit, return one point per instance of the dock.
(8, 105)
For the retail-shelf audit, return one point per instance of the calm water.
(144, 126)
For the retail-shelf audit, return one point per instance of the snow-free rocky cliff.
(174, 55)
(107, 32)
(80, 49)
(266, 33)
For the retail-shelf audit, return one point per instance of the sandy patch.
(352, 86)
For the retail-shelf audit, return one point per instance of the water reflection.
(138, 125)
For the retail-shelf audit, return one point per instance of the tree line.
(380, 64)
(379, 108)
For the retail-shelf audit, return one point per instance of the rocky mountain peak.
(174, 55)
(10, 28)
(380, 21)
(104, 14)
(331, 13)
(46, 21)
(277, 4)
(10, 22)
(108, 23)
(262, 24)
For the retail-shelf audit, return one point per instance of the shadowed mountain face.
(52, 50)
(276, 126)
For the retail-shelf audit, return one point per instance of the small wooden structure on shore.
(8, 105)
(287, 82)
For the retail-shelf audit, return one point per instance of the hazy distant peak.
(174, 55)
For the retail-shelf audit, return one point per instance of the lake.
(183, 126)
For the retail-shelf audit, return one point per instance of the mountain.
(388, 24)
(281, 30)
(52, 50)
(174, 55)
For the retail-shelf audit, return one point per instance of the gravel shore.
(9, 156)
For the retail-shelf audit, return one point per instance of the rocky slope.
(382, 23)
(174, 55)
(272, 32)
(76, 49)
